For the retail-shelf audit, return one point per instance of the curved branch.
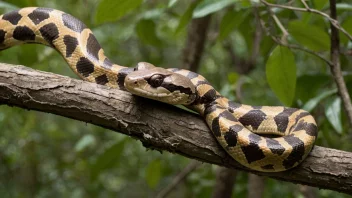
(333, 21)
(157, 125)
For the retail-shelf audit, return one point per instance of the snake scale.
(245, 132)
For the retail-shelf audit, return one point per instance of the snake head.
(160, 84)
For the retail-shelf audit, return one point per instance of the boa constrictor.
(240, 129)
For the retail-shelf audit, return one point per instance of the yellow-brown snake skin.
(240, 129)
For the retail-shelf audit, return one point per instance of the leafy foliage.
(44, 155)
(281, 74)
(112, 10)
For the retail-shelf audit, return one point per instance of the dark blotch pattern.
(208, 97)
(73, 23)
(275, 146)
(302, 115)
(13, 17)
(175, 69)
(202, 82)
(210, 108)
(281, 119)
(107, 63)
(297, 152)
(233, 106)
(253, 118)
(192, 75)
(268, 167)
(49, 32)
(215, 127)
(232, 134)
(39, 15)
(257, 107)
(121, 77)
(102, 80)
(85, 67)
(2, 36)
(252, 151)
(310, 128)
(23, 33)
(227, 115)
(71, 44)
(172, 87)
(93, 46)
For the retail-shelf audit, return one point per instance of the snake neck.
(69, 36)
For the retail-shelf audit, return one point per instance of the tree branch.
(194, 46)
(160, 126)
(333, 21)
(292, 46)
(336, 66)
(224, 183)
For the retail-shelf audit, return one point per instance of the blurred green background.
(43, 155)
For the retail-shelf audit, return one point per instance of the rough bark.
(157, 125)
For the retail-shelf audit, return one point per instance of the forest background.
(253, 52)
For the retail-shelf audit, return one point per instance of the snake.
(261, 138)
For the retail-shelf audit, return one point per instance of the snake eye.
(156, 80)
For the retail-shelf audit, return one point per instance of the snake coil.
(240, 129)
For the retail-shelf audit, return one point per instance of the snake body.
(242, 130)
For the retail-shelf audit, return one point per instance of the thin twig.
(334, 22)
(285, 34)
(292, 46)
(305, 4)
(336, 67)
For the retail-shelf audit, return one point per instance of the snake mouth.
(145, 93)
(173, 98)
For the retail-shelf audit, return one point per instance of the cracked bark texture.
(157, 125)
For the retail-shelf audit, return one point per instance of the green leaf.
(281, 74)
(246, 3)
(84, 142)
(315, 81)
(312, 103)
(112, 10)
(230, 21)
(310, 36)
(146, 31)
(186, 17)
(171, 3)
(320, 4)
(233, 77)
(153, 173)
(347, 25)
(211, 6)
(333, 113)
(107, 159)
(7, 6)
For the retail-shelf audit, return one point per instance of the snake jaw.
(160, 84)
